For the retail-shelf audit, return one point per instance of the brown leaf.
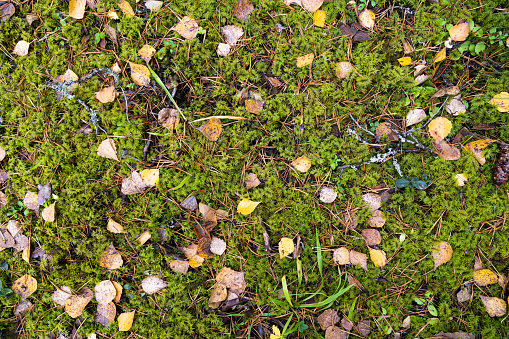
(107, 149)
(219, 294)
(147, 52)
(133, 184)
(439, 128)
(347, 324)
(305, 60)
(501, 172)
(459, 32)
(75, 305)
(343, 68)
(232, 34)
(187, 27)
(353, 281)
(114, 227)
(77, 8)
(61, 295)
(7, 10)
(495, 307)
(485, 277)
(455, 335)
(341, 256)
(377, 220)
(105, 314)
(232, 279)
(179, 266)
(378, 257)
(452, 90)
(169, 118)
(328, 318)
(456, 106)
(106, 95)
(125, 321)
(463, 296)
(24, 286)
(371, 236)
(3, 199)
(415, 116)
(302, 164)
(143, 238)
(407, 48)
(254, 106)
(6, 239)
(350, 220)
(190, 203)
(24, 307)
(30, 201)
(442, 253)
(105, 292)
(21, 48)
(274, 82)
(48, 213)
(367, 18)
(212, 129)
(361, 259)
(334, 332)
(364, 328)
(384, 129)
(311, 5)
(68, 76)
(92, 3)
(20, 242)
(373, 200)
(118, 289)
(446, 151)
(153, 284)
(126, 8)
(210, 220)
(327, 195)
(140, 74)
(110, 258)
(204, 248)
(242, 9)
(252, 181)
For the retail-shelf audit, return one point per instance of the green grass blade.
(182, 183)
(319, 253)
(299, 271)
(285, 290)
(283, 334)
(328, 302)
(160, 82)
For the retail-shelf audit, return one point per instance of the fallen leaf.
(328, 318)
(442, 253)
(461, 179)
(352, 32)
(140, 74)
(110, 258)
(147, 52)
(125, 321)
(501, 100)
(20, 242)
(21, 48)
(153, 284)
(232, 279)
(247, 206)
(44, 193)
(153, 5)
(105, 314)
(455, 335)
(440, 55)
(143, 238)
(169, 118)
(477, 148)
(347, 324)
(7, 10)
(341, 256)
(286, 247)
(357, 258)
(114, 227)
(343, 68)
(112, 15)
(107, 149)
(6, 239)
(452, 90)
(242, 9)
(118, 290)
(190, 203)
(463, 296)
(319, 18)
(405, 61)
(179, 266)
(274, 82)
(254, 106)
(446, 151)
(67, 77)
(77, 8)
(305, 60)
(377, 220)
(354, 281)
(252, 181)
(407, 48)
(439, 128)
(187, 27)
(105, 292)
(212, 129)
(371, 236)
(75, 304)
(217, 246)
(367, 18)
(105, 95)
(456, 106)
(232, 34)
(150, 177)
(61, 295)
(223, 49)
(191, 253)
(218, 295)
(378, 257)
(92, 3)
(459, 32)
(384, 129)
(25, 255)
(48, 213)
(364, 328)
(126, 8)
(327, 195)
(133, 184)
(485, 277)
(2, 153)
(30, 201)
(302, 164)
(3, 176)
(203, 249)
(421, 79)
(334, 332)
(495, 307)
(373, 200)
(415, 116)
(24, 307)
(501, 172)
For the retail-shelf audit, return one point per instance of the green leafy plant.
(98, 36)
(420, 184)
(4, 292)
(364, 3)
(429, 305)
(16, 209)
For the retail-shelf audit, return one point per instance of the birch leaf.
(247, 206)
(125, 321)
(286, 247)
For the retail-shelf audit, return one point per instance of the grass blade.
(285, 290)
(161, 83)
(319, 253)
(299, 271)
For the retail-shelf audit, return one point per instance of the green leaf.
(493, 30)
(302, 326)
(403, 183)
(419, 301)
(481, 46)
(432, 310)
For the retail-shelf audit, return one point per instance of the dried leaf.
(440, 55)
(21, 48)
(217, 246)
(105, 95)
(68, 76)
(311, 5)
(274, 82)
(347, 324)
(153, 284)
(485, 277)
(24, 307)
(439, 128)
(30, 201)
(187, 27)
(114, 227)
(334, 332)
(232, 279)
(150, 177)
(461, 179)
(105, 292)
(501, 100)
(343, 68)
(361, 259)
(3, 199)
(48, 213)
(371, 236)
(44, 193)
(350, 220)
(232, 34)
(421, 79)
(455, 335)
(6, 239)
(328, 318)
(252, 181)
(365, 328)
(143, 238)
(459, 32)
(378, 257)
(384, 129)
(179, 266)
(501, 172)
(118, 290)
(2, 153)
(442, 253)
(20, 242)
(319, 18)
(354, 281)
(377, 220)
(302, 164)
(140, 74)
(407, 48)
(456, 106)
(452, 90)
(415, 116)
(7, 10)
(305, 60)
(286, 247)
(107, 149)
(147, 52)
(446, 151)
(77, 8)
(219, 294)
(242, 9)
(126, 8)
(25, 255)
(328, 195)
(125, 321)
(495, 307)
(373, 200)
(112, 15)
(212, 129)
(105, 314)
(133, 184)
(169, 118)
(223, 49)
(61, 295)
(203, 249)
(75, 304)
(254, 106)
(367, 18)
(110, 258)
(477, 148)
(247, 206)
(153, 5)
(341, 256)
(191, 253)
(405, 61)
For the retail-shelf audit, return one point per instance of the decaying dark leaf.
(371, 236)
(353, 32)
(334, 332)
(501, 173)
(455, 335)
(242, 9)
(365, 328)
(190, 203)
(44, 193)
(7, 10)
(328, 318)
(354, 281)
(204, 248)
(169, 118)
(105, 314)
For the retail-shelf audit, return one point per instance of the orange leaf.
(126, 8)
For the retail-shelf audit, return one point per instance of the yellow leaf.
(276, 333)
(247, 206)
(150, 177)
(126, 8)
(106, 94)
(367, 18)
(495, 307)
(439, 128)
(461, 179)
(485, 277)
(477, 148)
(501, 100)
(459, 32)
(77, 8)
(25, 255)
(440, 56)
(187, 27)
(442, 253)
(25, 286)
(75, 304)
(48, 213)
(143, 238)
(111, 259)
(125, 321)
(405, 61)
(286, 247)
(319, 18)
(140, 74)
(305, 60)
(302, 164)
(114, 227)
(212, 129)
(147, 52)
(378, 257)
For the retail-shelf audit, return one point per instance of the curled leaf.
(107, 149)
